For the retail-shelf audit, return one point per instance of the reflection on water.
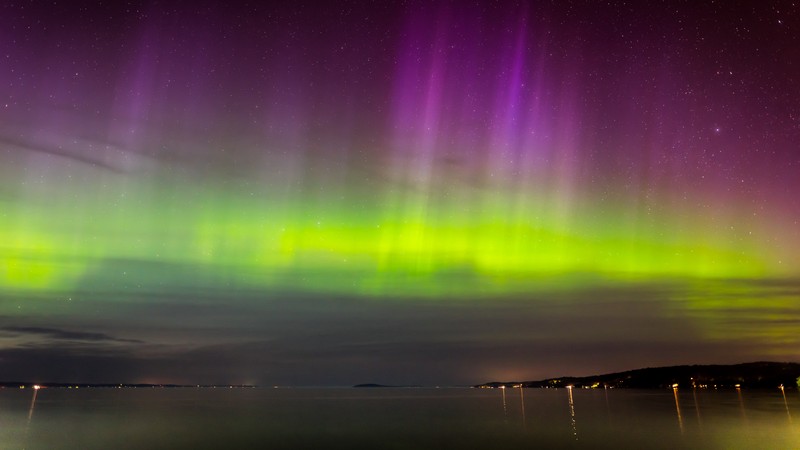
(741, 403)
(678, 407)
(33, 403)
(30, 414)
(786, 404)
(505, 408)
(572, 413)
(696, 407)
(394, 418)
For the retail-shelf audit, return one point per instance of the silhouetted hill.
(751, 375)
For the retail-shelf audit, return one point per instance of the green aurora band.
(355, 243)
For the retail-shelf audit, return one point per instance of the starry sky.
(402, 192)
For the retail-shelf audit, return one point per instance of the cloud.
(299, 338)
(65, 335)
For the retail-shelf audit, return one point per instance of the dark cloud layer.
(63, 335)
(320, 340)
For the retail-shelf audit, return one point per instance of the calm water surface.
(187, 418)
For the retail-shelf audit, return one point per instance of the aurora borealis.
(408, 192)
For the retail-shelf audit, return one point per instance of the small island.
(751, 375)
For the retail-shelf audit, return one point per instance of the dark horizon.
(754, 374)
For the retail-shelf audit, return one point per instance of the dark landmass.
(751, 375)
(28, 384)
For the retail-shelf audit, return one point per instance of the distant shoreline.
(764, 374)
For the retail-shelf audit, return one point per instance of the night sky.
(331, 193)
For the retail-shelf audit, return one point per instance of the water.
(187, 418)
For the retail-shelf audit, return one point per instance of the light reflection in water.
(572, 413)
(522, 404)
(636, 419)
(36, 388)
(33, 403)
(697, 408)
(505, 408)
(678, 407)
(741, 403)
(785, 404)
